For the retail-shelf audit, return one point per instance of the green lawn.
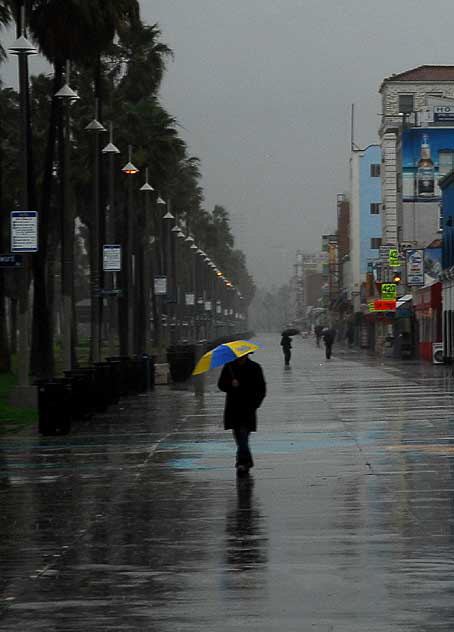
(13, 419)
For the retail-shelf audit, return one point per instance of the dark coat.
(328, 336)
(286, 342)
(242, 401)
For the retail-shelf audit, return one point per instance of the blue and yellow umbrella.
(222, 354)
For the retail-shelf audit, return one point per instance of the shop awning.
(404, 299)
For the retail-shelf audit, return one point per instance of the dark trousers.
(243, 454)
(287, 356)
(328, 347)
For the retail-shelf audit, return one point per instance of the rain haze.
(263, 92)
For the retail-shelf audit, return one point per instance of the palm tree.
(138, 62)
(59, 28)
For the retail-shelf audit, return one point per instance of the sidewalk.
(136, 521)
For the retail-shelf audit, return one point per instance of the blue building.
(370, 202)
(365, 219)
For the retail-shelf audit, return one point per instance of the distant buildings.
(384, 260)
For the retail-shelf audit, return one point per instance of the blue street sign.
(11, 261)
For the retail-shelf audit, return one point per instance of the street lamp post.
(111, 150)
(148, 286)
(22, 48)
(183, 280)
(168, 217)
(68, 96)
(95, 128)
(176, 278)
(130, 170)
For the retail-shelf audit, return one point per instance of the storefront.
(380, 334)
(428, 312)
(447, 277)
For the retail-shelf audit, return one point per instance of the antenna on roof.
(353, 145)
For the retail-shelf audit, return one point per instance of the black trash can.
(82, 393)
(103, 386)
(181, 359)
(115, 377)
(124, 373)
(54, 407)
(145, 372)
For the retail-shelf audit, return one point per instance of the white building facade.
(417, 105)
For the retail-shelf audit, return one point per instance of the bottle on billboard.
(425, 174)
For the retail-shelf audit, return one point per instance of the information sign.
(382, 306)
(111, 258)
(415, 267)
(208, 306)
(385, 306)
(389, 291)
(160, 285)
(24, 231)
(109, 292)
(190, 299)
(393, 258)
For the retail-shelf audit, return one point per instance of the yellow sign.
(388, 291)
(393, 258)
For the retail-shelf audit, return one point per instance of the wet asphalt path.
(135, 521)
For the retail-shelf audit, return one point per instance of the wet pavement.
(135, 521)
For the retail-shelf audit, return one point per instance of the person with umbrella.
(243, 382)
(286, 344)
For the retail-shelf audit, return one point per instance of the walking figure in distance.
(243, 382)
(286, 344)
(328, 339)
(318, 334)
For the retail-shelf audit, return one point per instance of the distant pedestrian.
(286, 344)
(328, 338)
(318, 334)
(350, 335)
(243, 382)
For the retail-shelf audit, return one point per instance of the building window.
(375, 243)
(406, 103)
(375, 208)
(375, 171)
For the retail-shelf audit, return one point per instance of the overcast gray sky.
(263, 90)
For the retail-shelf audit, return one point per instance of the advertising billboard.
(415, 267)
(427, 156)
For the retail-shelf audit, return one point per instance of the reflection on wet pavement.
(136, 521)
